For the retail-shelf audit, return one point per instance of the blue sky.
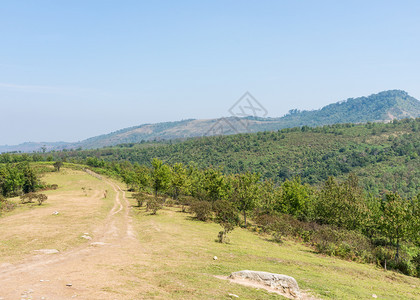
(70, 70)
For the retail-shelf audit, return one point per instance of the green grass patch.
(181, 251)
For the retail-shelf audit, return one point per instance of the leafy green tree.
(268, 192)
(196, 178)
(342, 204)
(215, 185)
(141, 178)
(160, 176)
(295, 198)
(30, 180)
(245, 192)
(415, 222)
(395, 222)
(180, 182)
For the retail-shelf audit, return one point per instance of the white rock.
(98, 244)
(55, 213)
(47, 251)
(280, 282)
(374, 296)
(86, 237)
(215, 258)
(233, 295)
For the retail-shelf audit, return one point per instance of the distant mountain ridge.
(381, 107)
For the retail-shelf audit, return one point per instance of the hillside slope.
(135, 255)
(384, 155)
(382, 107)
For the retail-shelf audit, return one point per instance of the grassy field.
(172, 254)
(180, 263)
(31, 227)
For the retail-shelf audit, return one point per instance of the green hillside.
(384, 156)
(382, 107)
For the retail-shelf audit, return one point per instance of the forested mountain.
(384, 155)
(382, 107)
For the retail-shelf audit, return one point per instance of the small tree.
(160, 177)
(227, 217)
(141, 178)
(57, 165)
(215, 186)
(180, 182)
(30, 180)
(342, 204)
(245, 192)
(396, 221)
(41, 198)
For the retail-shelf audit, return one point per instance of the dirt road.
(92, 271)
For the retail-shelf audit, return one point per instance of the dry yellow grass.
(32, 227)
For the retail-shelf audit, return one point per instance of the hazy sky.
(70, 70)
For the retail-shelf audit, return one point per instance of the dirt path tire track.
(45, 276)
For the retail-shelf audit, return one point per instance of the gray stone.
(283, 283)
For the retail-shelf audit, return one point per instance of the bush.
(286, 225)
(185, 201)
(28, 198)
(201, 209)
(416, 264)
(154, 205)
(407, 263)
(6, 205)
(170, 202)
(342, 243)
(41, 198)
(140, 197)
